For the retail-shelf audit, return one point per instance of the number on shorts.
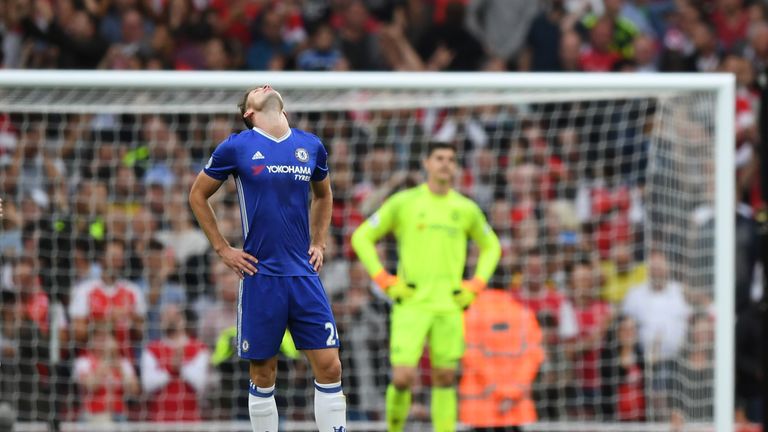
(332, 334)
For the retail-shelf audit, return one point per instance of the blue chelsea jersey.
(272, 177)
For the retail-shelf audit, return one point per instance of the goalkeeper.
(431, 223)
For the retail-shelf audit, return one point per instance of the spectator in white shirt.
(660, 310)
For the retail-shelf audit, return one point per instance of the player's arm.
(202, 189)
(490, 248)
(364, 243)
(319, 220)
(490, 252)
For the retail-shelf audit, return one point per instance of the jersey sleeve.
(321, 165)
(78, 306)
(223, 161)
(140, 303)
(82, 368)
(488, 243)
(153, 376)
(366, 235)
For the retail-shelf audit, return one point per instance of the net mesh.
(602, 201)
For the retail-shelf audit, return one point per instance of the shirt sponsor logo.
(302, 173)
(288, 169)
(257, 169)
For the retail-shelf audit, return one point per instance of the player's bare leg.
(444, 406)
(262, 408)
(330, 403)
(399, 397)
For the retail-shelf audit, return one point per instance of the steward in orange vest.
(502, 360)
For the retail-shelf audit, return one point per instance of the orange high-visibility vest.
(502, 359)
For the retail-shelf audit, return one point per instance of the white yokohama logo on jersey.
(288, 169)
(300, 172)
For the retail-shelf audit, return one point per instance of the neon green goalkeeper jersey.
(431, 232)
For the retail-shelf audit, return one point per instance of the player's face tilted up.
(260, 105)
(275, 168)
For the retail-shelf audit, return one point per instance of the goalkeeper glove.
(469, 290)
(393, 287)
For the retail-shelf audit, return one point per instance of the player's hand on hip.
(468, 291)
(393, 286)
(240, 261)
(316, 256)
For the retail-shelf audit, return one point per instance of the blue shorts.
(271, 304)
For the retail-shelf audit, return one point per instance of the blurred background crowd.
(114, 307)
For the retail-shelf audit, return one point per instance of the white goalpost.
(569, 165)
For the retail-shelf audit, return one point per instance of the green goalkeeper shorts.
(410, 328)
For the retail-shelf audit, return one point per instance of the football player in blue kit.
(275, 167)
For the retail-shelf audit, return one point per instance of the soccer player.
(431, 224)
(275, 167)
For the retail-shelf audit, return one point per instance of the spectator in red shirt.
(105, 378)
(536, 293)
(110, 301)
(34, 301)
(593, 317)
(550, 166)
(731, 22)
(599, 57)
(524, 183)
(174, 370)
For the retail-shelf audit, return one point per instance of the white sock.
(262, 408)
(330, 408)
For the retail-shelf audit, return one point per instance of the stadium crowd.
(114, 308)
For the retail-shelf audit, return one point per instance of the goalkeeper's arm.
(364, 243)
(490, 252)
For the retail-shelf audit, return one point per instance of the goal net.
(612, 197)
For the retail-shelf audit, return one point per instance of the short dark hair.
(116, 241)
(243, 106)
(440, 145)
(25, 260)
(155, 245)
(536, 251)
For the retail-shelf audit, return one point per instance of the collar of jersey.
(281, 139)
(428, 191)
